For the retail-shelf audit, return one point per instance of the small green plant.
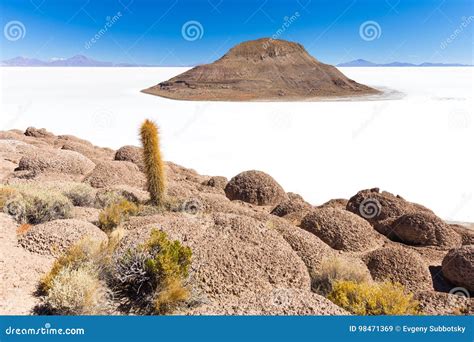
(116, 213)
(335, 269)
(154, 168)
(36, 205)
(385, 298)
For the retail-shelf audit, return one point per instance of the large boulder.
(341, 229)
(381, 208)
(400, 265)
(255, 187)
(55, 237)
(131, 154)
(48, 160)
(423, 229)
(294, 203)
(458, 267)
(109, 173)
(441, 303)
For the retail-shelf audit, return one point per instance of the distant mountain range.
(75, 61)
(364, 63)
(84, 61)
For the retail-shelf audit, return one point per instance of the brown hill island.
(262, 69)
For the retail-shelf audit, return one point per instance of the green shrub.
(153, 273)
(115, 213)
(76, 291)
(154, 167)
(373, 298)
(334, 269)
(81, 195)
(36, 205)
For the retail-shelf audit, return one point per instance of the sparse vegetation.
(154, 272)
(149, 276)
(116, 213)
(154, 168)
(76, 291)
(81, 195)
(36, 205)
(385, 298)
(336, 269)
(5, 194)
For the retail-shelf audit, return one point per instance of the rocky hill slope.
(263, 69)
(256, 249)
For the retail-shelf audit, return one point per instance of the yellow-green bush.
(154, 167)
(373, 298)
(334, 269)
(31, 204)
(115, 213)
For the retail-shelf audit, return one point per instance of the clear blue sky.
(151, 31)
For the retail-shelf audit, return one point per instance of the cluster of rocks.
(255, 247)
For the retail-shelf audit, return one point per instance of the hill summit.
(262, 69)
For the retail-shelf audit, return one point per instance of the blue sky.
(150, 32)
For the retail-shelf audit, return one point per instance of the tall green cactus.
(154, 168)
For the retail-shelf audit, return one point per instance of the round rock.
(255, 187)
(423, 229)
(341, 229)
(458, 267)
(400, 265)
(55, 237)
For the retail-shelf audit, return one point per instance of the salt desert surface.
(419, 146)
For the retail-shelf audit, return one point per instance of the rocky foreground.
(256, 248)
(263, 69)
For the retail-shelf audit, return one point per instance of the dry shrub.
(76, 291)
(81, 195)
(335, 269)
(37, 205)
(385, 298)
(115, 213)
(84, 252)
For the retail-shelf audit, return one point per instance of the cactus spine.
(154, 167)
